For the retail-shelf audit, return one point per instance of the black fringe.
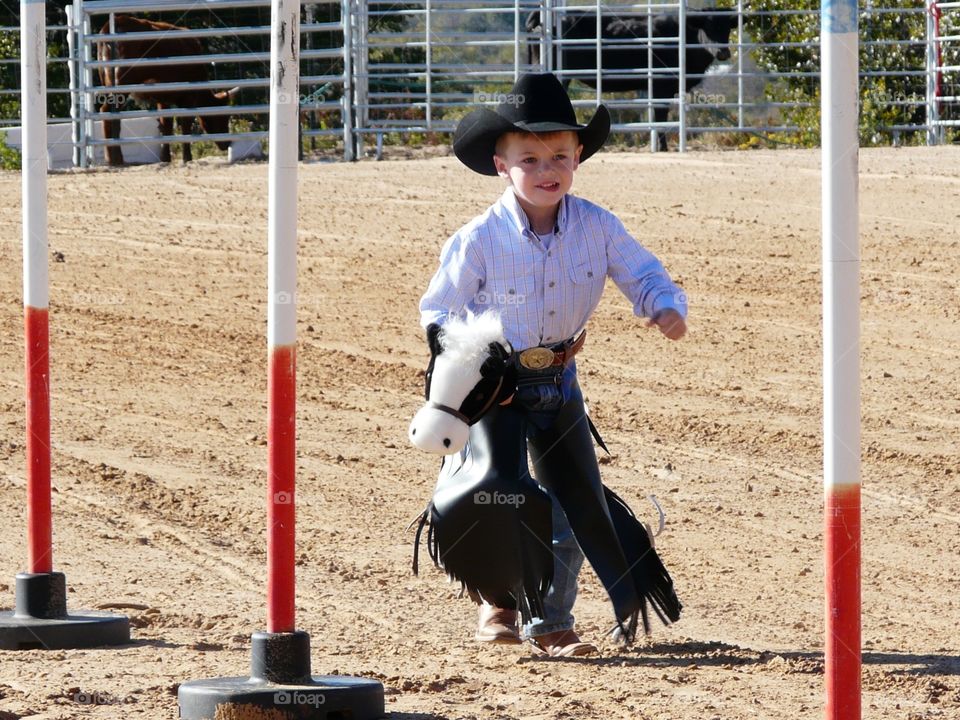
(651, 579)
(528, 599)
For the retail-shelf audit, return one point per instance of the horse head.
(471, 369)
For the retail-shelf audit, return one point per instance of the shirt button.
(589, 273)
(549, 253)
(553, 312)
(552, 283)
(512, 291)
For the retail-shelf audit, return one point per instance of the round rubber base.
(328, 697)
(89, 629)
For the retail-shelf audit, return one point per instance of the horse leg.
(166, 129)
(660, 113)
(111, 131)
(186, 126)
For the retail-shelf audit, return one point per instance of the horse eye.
(446, 442)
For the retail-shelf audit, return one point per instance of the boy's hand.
(670, 323)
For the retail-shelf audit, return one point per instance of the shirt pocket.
(587, 280)
(507, 292)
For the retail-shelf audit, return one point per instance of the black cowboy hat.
(537, 103)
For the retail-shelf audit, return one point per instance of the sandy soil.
(158, 387)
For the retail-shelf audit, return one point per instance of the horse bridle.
(480, 413)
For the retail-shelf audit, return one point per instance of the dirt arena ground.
(158, 387)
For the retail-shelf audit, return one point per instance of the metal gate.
(245, 66)
(375, 71)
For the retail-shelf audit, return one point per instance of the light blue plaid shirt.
(545, 295)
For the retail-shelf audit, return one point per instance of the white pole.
(429, 61)
(87, 106)
(346, 101)
(282, 313)
(740, 65)
(599, 63)
(841, 357)
(932, 68)
(74, 85)
(516, 40)
(682, 86)
(284, 121)
(33, 103)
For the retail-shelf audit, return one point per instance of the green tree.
(885, 100)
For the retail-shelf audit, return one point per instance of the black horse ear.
(433, 338)
(433, 341)
(499, 351)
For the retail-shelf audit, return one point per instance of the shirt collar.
(520, 219)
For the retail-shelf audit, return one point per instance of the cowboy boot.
(497, 625)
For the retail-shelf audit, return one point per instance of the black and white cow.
(709, 28)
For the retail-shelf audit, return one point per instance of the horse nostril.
(446, 442)
(413, 432)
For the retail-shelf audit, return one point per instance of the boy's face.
(539, 166)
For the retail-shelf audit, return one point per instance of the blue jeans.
(542, 401)
(560, 597)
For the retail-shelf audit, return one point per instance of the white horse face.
(468, 375)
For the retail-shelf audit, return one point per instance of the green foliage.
(885, 100)
(9, 158)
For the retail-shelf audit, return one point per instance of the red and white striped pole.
(280, 681)
(39, 618)
(841, 356)
(282, 317)
(36, 295)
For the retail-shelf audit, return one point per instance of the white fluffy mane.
(467, 341)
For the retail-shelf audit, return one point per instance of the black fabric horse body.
(490, 522)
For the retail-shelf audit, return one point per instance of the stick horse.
(492, 530)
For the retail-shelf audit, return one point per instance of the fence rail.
(372, 68)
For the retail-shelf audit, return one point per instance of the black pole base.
(280, 682)
(41, 622)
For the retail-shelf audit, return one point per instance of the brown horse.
(166, 47)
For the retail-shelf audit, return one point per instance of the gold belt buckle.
(537, 358)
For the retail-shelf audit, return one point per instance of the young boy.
(540, 257)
